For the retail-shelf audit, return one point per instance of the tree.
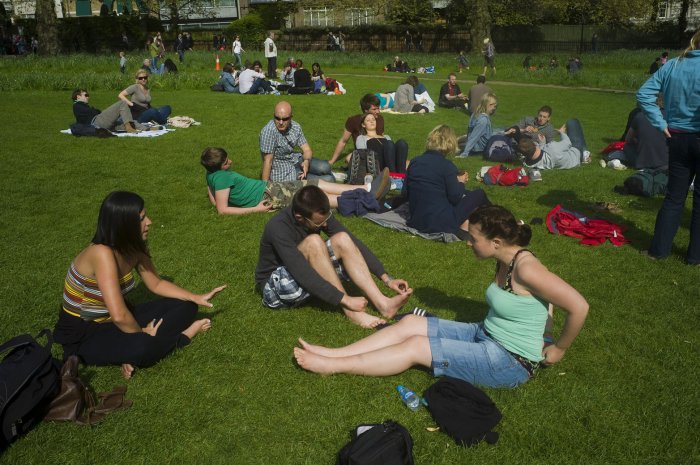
(480, 24)
(175, 10)
(47, 28)
(410, 12)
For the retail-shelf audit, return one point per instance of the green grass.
(624, 394)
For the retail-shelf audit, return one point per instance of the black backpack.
(29, 380)
(647, 182)
(386, 443)
(362, 163)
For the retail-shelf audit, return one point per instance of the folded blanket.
(133, 134)
(396, 219)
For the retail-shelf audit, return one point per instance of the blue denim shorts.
(282, 291)
(464, 351)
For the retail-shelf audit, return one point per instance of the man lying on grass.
(295, 262)
(234, 194)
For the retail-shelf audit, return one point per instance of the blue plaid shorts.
(282, 291)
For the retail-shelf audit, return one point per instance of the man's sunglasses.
(142, 78)
(318, 226)
(279, 118)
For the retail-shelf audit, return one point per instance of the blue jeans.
(258, 84)
(159, 115)
(575, 133)
(320, 169)
(683, 167)
(181, 55)
(238, 61)
(464, 351)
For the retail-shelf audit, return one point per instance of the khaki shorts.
(280, 194)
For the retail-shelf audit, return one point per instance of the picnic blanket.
(396, 219)
(133, 134)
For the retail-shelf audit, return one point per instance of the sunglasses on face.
(142, 78)
(279, 118)
(320, 225)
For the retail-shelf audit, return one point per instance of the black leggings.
(393, 155)
(105, 344)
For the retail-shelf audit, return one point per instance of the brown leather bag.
(75, 402)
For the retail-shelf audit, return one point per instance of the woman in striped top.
(96, 323)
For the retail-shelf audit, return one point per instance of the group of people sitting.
(294, 79)
(132, 112)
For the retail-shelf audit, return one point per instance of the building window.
(358, 16)
(663, 9)
(318, 16)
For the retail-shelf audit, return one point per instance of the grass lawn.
(625, 393)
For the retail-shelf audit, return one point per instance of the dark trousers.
(258, 84)
(159, 115)
(272, 67)
(683, 167)
(392, 155)
(106, 344)
(575, 133)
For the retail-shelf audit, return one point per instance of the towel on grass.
(133, 134)
(396, 219)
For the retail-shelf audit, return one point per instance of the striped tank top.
(82, 297)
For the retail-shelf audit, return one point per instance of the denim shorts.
(282, 291)
(464, 351)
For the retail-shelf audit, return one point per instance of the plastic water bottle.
(368, 179)
(408, 397)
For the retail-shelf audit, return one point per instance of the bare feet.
(313, 349)
(127, 370)
(197, 327)
(393, 304)
(313, 362)
(363, 319)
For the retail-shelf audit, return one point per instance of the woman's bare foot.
(363, 319)
(313, 362)
(318, 350)
(197, 327)
(127, 370)
(392, 305)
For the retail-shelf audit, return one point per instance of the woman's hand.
(152, 328)
(203, 299)
(552, 354)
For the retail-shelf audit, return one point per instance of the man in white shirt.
(251, 80)
(271, 55)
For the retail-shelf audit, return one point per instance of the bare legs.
(333, 190)
(316, 253)
(387, 352)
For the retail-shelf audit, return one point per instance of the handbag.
(76, 403)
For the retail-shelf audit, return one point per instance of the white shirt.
(236, 46)
(247, 78)
(268, 53)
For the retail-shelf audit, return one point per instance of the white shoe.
(602, 163)
(616, 164)
(586, 156)
(535, 175)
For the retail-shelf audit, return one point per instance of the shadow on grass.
(140, 294)
(466, 310)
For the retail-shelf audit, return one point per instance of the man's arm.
(306, 155)
(221, 203)
(340, 146)
(267, 166)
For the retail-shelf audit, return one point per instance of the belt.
(528, 364)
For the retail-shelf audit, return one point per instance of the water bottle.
(409, 397)
(368, 179)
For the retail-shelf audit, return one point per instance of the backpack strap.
(26, 339)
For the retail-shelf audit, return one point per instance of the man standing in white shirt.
(237, 49)
(271, 55)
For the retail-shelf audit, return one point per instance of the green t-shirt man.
(245, 192)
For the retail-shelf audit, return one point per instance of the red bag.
(613, 146)
(502, 176)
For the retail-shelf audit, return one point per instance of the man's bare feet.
(393, 304)
(363, 319)
(313, 362)
(127, 370)
(197, 327)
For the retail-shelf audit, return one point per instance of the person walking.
(271, 55)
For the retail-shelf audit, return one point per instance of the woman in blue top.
(679, 83)
(229, 79)
(479, 131)
(503, 350)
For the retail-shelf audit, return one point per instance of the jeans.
(320, 169)
(258, 84)
(683, 167)
(272, 67)
(159, 115)
(238, 62)
(464, 351)
(575, 133)
(181, 55)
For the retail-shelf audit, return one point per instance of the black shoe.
(103, 133)
(381, 185)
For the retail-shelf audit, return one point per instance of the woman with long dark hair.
(96, 323)
(502, 351)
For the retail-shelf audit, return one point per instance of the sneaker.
(602, 163)
(416, 311)
(380, 185)
(616, 164)
(130, 127)
(535, 175)
(586, 157)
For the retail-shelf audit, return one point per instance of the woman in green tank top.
(503, 350)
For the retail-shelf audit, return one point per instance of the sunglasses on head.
(279, 118)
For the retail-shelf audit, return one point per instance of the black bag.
(362, 163)
(386, 443)
(499, 149)
(218, 87)
(647, 183)
(29, 380)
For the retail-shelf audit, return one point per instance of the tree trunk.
(683, 22)
(479, 25)
(174, 16)
(47, 28)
